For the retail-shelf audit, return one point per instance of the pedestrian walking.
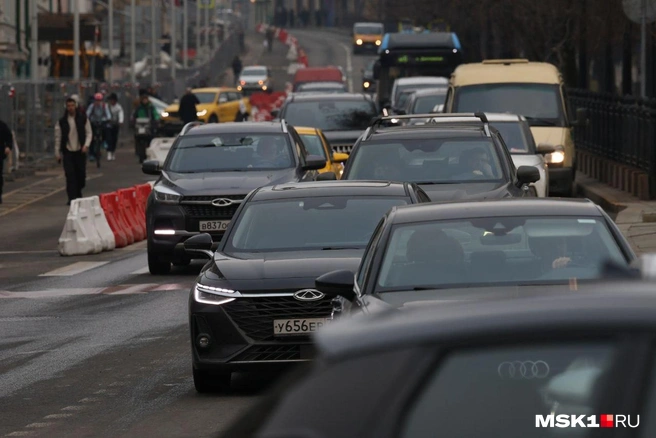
(99, 115)
(72, 139)
(188, 108)
(269, 38)
(6, 145)
(242, 114)
(117, 119)
(236, 68)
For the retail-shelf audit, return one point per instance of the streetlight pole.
(185, 35)
(198, 29)
(643, 49)
(133, 40)
(207, 30)
(153, 46)
(76, 41)
(173, 41)
(110, 7)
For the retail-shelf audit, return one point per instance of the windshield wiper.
(435, 182)
(536, 121)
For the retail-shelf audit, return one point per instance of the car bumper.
(241, 333)
(560, 179)
(365, 47)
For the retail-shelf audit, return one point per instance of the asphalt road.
(94, 345)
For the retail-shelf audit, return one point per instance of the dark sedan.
(480, 250)
(448, 162)
(576, 365)
(254, 305)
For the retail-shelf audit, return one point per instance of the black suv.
(342, 117)
(449, 161)
(208, 172)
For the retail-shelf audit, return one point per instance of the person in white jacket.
(117, 119)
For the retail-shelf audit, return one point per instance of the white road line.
(53, 416)
(141, 271)
(72, 408)
(45, 251)
(73, 269)
(39, 425)
(22, 433)
(349, 66)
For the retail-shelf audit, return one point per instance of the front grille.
(255, 316)
(279, 352)
(209, 211)
(343, 148)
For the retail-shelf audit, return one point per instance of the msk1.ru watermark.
(603, 420)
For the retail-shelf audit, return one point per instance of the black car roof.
(331, 188)
(541, 207)
(606, 306)
(329, 96)
(235, 128)
(428, 131)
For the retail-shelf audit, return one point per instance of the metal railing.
(622, 129)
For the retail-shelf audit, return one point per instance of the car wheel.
(205, 382)
(182, 262)
(214, 119)
(156, 266)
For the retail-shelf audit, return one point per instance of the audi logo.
(308, 295)
(523, 369)
(224, 202)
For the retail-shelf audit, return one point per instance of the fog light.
(203, 341)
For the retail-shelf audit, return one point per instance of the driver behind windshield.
(270, 154)
(474, 165)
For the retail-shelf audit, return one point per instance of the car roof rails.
(186, 128)
(378, 121)
(283, 124)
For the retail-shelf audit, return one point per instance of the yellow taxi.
(219, 104)
(316, 144)
(367, 37)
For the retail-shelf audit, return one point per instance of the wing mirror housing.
(545, 148)
(337, 284)
(314, 162)
(340, 157)
(151, 167)
(200, 243)
(528, 174)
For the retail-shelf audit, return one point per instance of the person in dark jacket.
(236, 68)
(6, 145)
(187, 108)
(73, 136)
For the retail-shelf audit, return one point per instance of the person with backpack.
(117, 120)
(145, 110)
(99, 116)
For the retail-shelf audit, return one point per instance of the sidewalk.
(635, 218)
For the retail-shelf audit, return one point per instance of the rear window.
(331, 115)
(515, 137)
(368, 29)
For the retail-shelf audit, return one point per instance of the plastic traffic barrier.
(129, 207)
(143, 191)
(109, 204)
(101, 224)
(159, 148)
(79, 236)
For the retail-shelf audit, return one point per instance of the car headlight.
(165, 114)
(358, 42)
(555, 157)
(166, 195)
(260, 82)
(378, 42)
(201, 113)
(213, 295)
(366, 84)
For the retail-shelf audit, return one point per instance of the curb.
(597, 193)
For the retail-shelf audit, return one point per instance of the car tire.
(156, 266)
(182, 262)
(205, 382)
(213, 119)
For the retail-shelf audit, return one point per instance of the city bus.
(406, 55)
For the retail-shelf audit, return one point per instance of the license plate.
(298, 326)
(213, 225)
(142, 130)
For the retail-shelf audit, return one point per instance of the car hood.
(527, 160)
(342, 137)
(284, 265)
(212, 183)
(475, 191)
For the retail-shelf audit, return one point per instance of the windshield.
(309, 223)
(206, 97)
(230, 152)
(324, 87)
(411, 87)
(515, 137)
(369, 29)
(333, 115)
(534, 101)
(430, 160)
(503, 251)
(425, 104)
(254, 71)
(313, 145)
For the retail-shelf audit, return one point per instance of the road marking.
(349, 66)
(39, 425)
(89, 400)
(21, 433)
(73, 269)
(141, 271)
(55, 416)
(121, 289)
(72, 408)
(46, 251)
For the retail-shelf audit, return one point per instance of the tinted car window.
(401, 88)
(309, 223)
(513, 136)
(503, 250)
(427, 161)
(333, 115)
(425, 104)
(322, 87)
(254, 71)
(206, 97)
(313, 145)
(498, 392)
(230, 152)
(368, 29)
(530, 100)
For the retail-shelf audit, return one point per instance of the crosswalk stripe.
(73, 269)
(121, 289)
(141, 271)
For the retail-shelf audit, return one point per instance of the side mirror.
(528, 174)
(340, 157)
(545, 148)
(337, 283)
(314, 162)
(275, 113)
(200, 243)
(581, 117)
(151, 167)
(326, 176)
